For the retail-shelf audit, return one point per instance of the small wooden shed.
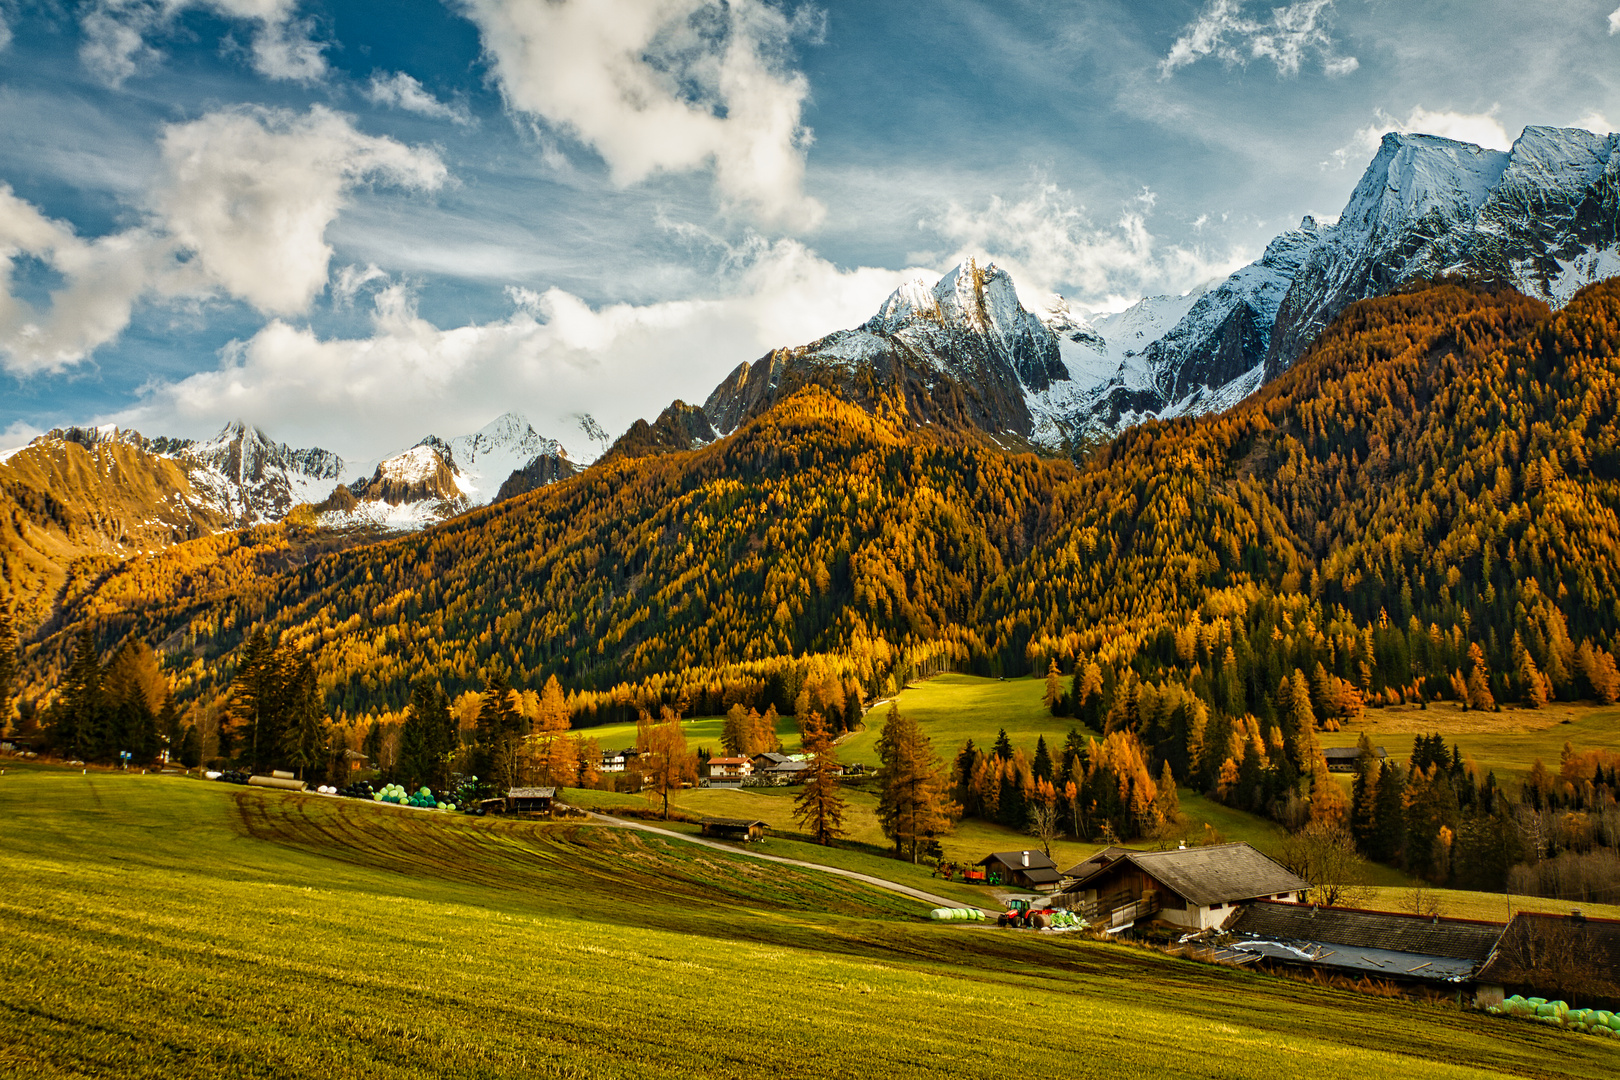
(1026, 869)
(530, 800)
(740, 829)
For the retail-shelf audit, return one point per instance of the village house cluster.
(1248, 910)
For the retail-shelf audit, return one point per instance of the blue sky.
(355, 224)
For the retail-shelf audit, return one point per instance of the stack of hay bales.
(956, 914)
(1598, 1022)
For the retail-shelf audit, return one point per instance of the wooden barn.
(1567, 957)
(1198, 887)
(1343, 758)
(740, 829)
(1374, 944)
(530, 800)
(1026, 869)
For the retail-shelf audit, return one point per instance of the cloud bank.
(240, 209)
(1294, 32)
(553, 357)
(115, 44)
(672, 86)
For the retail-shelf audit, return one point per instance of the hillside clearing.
(164, 928)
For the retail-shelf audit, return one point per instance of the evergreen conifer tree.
(913, 807)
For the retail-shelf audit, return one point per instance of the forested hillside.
(1438, 475)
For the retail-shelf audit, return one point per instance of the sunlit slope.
(169, 929)
(1449, 456)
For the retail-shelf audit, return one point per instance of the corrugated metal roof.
(531, 793)
(1459, 939)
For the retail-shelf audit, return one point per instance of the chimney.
(1026, 858)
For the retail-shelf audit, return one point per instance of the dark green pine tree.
(79, 723)
(1012, 809)
(170, 730)
(1364, 796)
(251, 701)
(1042, 765)
(190, 748)
(1389, 830)
(1003, 748)
(966, 761)
(303, 733)
(500, 728)
(1074, 757)
(422, 740)
(133, 727)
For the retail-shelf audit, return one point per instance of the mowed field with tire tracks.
(175, 928)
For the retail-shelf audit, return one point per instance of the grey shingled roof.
(532, 793)
(1460, 939)
(1015, 859)
(1086, 867)
(1220, 874)
(733, 823)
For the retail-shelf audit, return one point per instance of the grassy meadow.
(1508, 742)
(159, 927)
(701, 731)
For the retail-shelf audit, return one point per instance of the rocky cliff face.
(961, 353)
(1542, 217)
(252, 478)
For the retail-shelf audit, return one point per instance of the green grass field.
(1507, 742)
(955, 708)
(171, 928)
(701, 731)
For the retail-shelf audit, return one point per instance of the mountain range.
(964, 353)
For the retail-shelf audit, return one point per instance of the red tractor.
(1024, 915)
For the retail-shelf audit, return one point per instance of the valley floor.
(173, 928)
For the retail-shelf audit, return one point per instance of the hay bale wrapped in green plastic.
(1614, 1022)
(939, 914)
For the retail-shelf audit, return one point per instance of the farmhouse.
(730, 768)
(1378, 944)
(734, 829)
(788, 772)
(1193, 887)
(1343, 758)
(1026, 869)
(530, 800)
(765, 760)
(1569, 957)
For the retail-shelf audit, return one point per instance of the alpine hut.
(1197, 887)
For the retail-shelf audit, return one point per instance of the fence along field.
(168, 928)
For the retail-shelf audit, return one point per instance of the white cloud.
(100, 282)
(1595, 122)
(252, 192)
(1294, 32)
(1048, 243)
(241, 207)
(1481, 129)
(15, 436)
(1614, 22)
(553, 357)
(115, 32)
(5, 32)
(665, 85)
(403, 92)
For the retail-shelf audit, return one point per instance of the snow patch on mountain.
(440, 478)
